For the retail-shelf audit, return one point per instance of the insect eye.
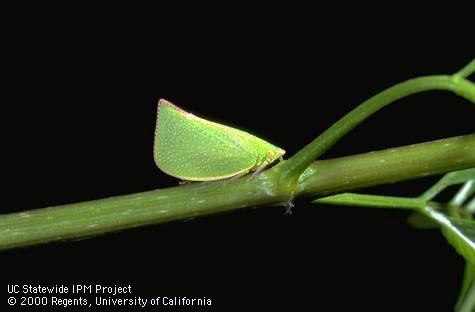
(270, 153)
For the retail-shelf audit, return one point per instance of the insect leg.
(234, 178)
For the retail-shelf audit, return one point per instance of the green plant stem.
(468, 302)
(188, 201)
(467, 70)
(467, 286)
(374, 201)
(302, 159)
(388, 166)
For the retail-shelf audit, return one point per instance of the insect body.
(195, 149)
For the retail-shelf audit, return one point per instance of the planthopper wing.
(195, 149)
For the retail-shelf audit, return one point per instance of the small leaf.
(422, 222)
(471, 206)
(460, 233)
(468, 279)
(464, 232)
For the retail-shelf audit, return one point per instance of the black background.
(78, 117)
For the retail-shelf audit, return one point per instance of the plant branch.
(188, 201)
(467, 70)
(302, 159)
(468, 302)
(373, 201)
(467, 287)
(388, 166)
